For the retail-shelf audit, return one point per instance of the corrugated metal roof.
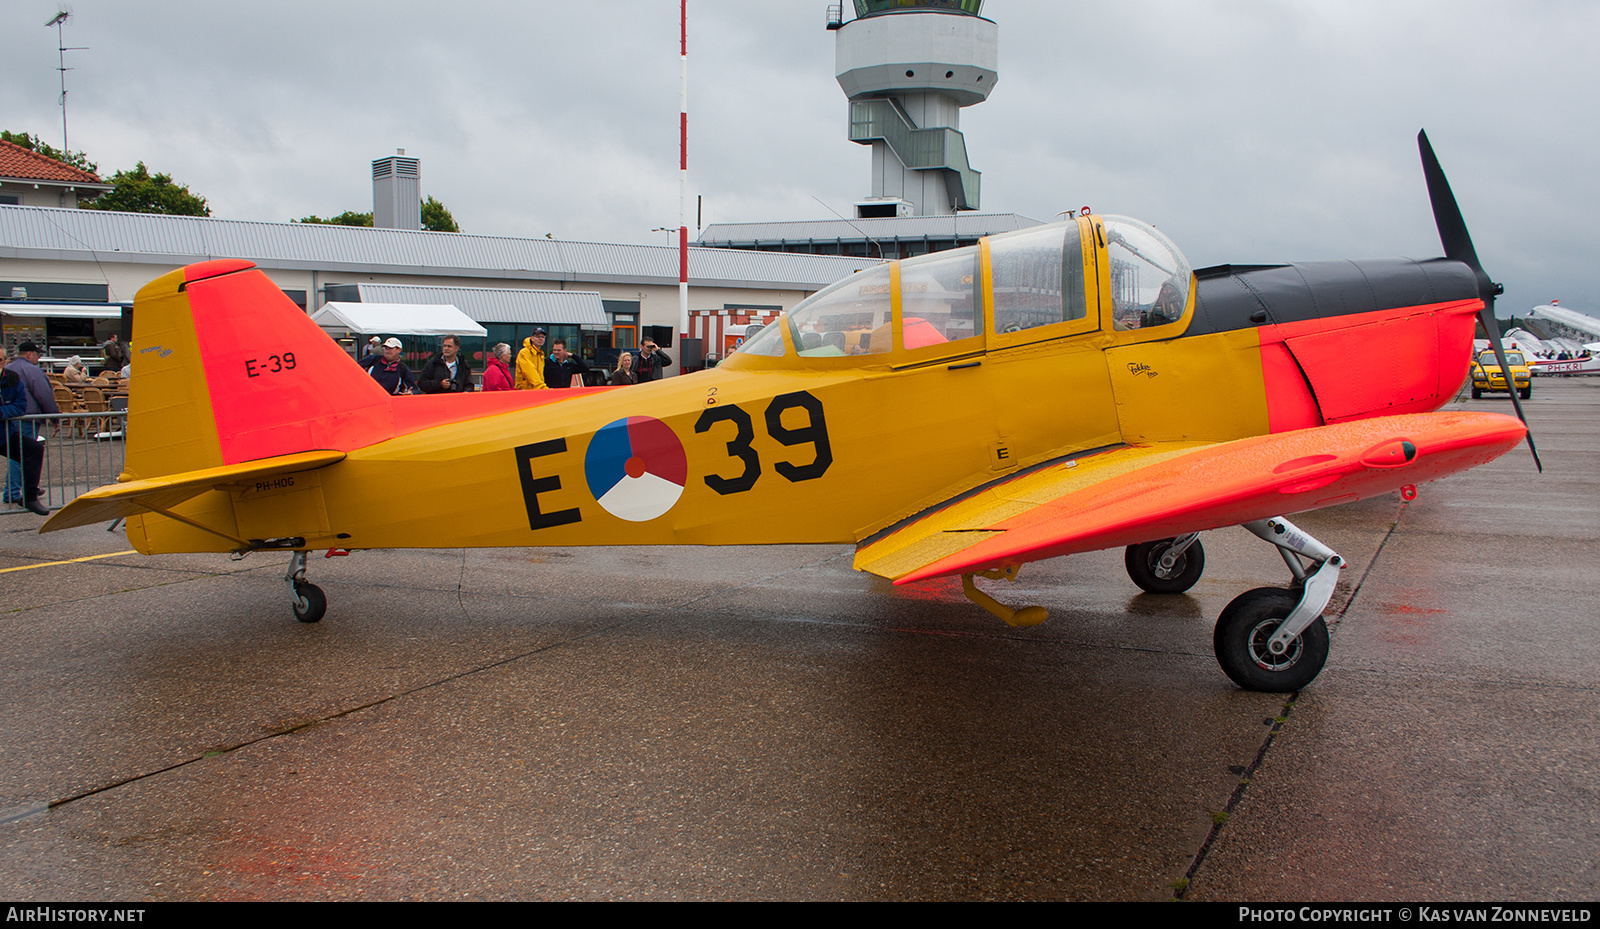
(961, 225)
(50, 232)
(489, 305)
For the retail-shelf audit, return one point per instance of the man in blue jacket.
(21, 445)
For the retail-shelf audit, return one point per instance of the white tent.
(397, 319)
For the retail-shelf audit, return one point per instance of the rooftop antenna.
(58, 21)
(870, 239)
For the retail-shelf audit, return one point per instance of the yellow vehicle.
(1486, 375)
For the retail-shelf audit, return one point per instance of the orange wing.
(1134, 494)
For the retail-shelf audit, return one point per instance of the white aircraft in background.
(1545, 356)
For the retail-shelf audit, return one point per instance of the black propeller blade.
(1458, 247)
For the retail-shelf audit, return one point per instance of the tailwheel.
(1166, 566)
(310, 603)
(1245, 649)
(308, 600)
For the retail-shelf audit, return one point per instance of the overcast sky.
(1249, 131)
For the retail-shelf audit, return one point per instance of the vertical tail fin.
(230, 370)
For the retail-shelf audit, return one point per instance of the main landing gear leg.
(1271, 639)
(307, 598)
(1027, 616)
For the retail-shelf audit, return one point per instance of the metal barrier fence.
(81, 451)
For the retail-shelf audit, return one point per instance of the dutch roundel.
(636, 468)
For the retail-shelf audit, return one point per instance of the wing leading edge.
(1135, 494)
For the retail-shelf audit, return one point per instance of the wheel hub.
(1262, 647)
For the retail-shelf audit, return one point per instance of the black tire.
(1241, 637)
(310, 602)
(1477, 394)
(1526, 393)
(1143, 558)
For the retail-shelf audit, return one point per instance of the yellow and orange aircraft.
(1060, 389)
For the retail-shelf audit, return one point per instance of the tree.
(436, 218)
(34, 143)
(139, 191)
(347, 218)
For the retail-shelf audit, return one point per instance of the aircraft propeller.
(1458, 247)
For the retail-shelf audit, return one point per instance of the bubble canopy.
(871, 7)
(1039, 283)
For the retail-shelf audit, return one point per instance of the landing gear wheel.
(310, 603)
(1526, 393)
(1144, 560)
(1248, 624)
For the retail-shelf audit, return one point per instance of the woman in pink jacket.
(497, 376)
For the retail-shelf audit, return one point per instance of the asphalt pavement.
(765, 723)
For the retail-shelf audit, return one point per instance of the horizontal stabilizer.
(156, 494)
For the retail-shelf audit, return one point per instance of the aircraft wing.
(1138, 493)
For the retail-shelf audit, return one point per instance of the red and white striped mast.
(683, 174)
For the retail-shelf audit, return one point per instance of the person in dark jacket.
(447, 372)
(391, 373)
(652, 361)
(21, 445)
(624, 375)
(113, 356)
(562, 365)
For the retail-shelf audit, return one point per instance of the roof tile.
(18, 162)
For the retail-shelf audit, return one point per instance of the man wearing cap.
(20, 444)
(530, 362)
(41, 395)
(391, 373)
(374, 353)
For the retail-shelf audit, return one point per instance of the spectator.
(112, 355)
(76, 372)
(391, 373)
(20, 446)
(563, 366)
(374, 353)
(447, 372)
(624, 374)
(41, 395)
(530, 362)
(497, 376)
(652, 362)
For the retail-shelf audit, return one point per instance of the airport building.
(66, 274)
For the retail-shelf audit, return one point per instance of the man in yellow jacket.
(530, 362)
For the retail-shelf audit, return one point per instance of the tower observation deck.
(908, 67)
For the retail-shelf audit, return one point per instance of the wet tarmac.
(762, 723)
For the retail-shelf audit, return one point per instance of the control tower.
(908, 67)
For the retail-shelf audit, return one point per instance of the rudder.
(231, 370)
